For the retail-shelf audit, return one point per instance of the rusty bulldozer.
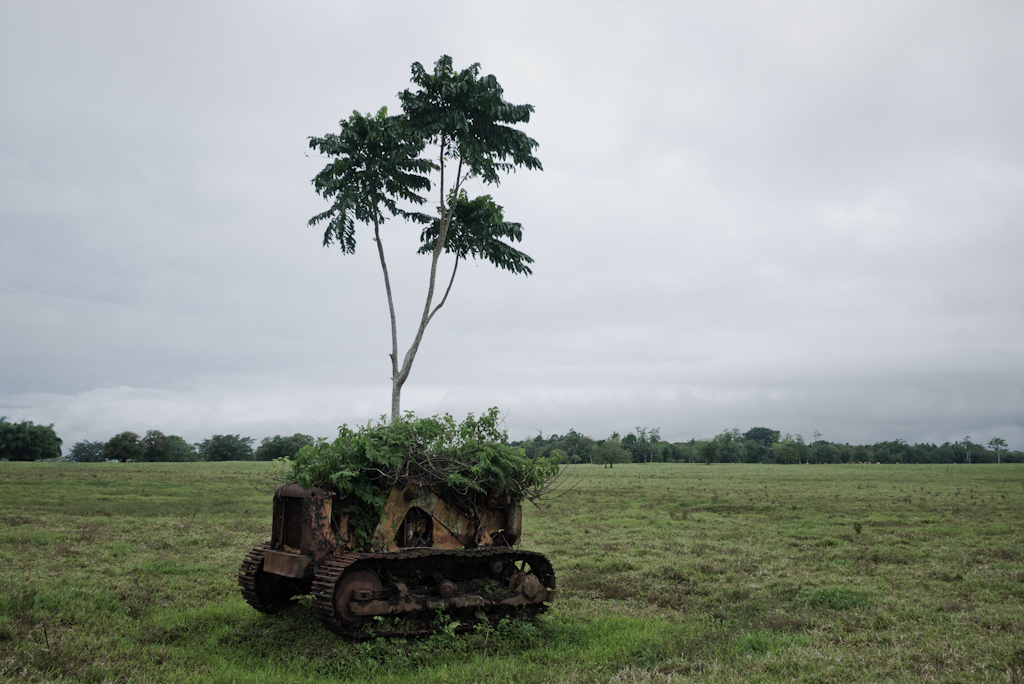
(428, 564)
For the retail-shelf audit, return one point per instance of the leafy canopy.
(381, 163)
(26, 441)
(464, 463)
(478, 229)
(467, 115)
(86, 452)
(376, 165)
(125, 446)
(226, 448)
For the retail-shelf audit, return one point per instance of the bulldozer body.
(426, 555)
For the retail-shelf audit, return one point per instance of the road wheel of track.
(351, 582)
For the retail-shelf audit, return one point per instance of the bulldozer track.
(252, 565)
(266, 593)
(410, 562)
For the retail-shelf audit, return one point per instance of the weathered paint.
(323, 543)
(312, 534)
(295, 565)
(452, 530)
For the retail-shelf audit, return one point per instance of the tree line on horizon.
(26, 441)
(757, 445)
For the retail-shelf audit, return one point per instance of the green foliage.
(468, 113)
(86, 452)
(382, 165)
(762, 435)
(181, 450)
(376, 164)
(273, 448)
(124, 447)
(791, 450)
(226, 448)
(157, 447)
(26, 441)
(709, 451)
(160, 448)
(730, 447)
(610, 452)
(477, 229)
(464, 463)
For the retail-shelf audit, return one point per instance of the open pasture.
(667, 573)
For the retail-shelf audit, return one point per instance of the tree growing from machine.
(454, 126)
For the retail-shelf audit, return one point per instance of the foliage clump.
(466, 464)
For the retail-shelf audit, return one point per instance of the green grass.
(667, 573)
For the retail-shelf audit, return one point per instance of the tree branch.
(410, 355)
(391, 310)
(447, 290)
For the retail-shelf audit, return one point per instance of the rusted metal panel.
(514, 523)
(452, 530)
(321, 544)
(286, 564)
(292, 489)
(343, 533)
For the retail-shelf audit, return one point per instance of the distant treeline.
(757, 445)
(26, 441)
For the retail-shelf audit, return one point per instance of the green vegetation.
(468, 462)
(273, 448)
(759, 445)
(455, 126)
(156, 447)
(26, 441)
(226, 448)
(86, 452)
(667, 573)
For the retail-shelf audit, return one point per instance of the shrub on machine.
(404, 522)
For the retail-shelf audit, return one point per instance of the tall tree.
(998, 445)
(610, 452)
(275, 447)
(124, 447)
(182, 450)
(455, 125)
(86, 452)
(730, 446)
(762, 435)
(26, 441)
(226, 448)
(156, 446)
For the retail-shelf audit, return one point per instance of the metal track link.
(323, 593)
(247, 577)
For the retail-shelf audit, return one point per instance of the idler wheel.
(350, 583)
(497, 567)
(446, 589)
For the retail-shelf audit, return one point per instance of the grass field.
(667, 573)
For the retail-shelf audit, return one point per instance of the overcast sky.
(804, 216)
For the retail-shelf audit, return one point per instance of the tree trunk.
(399, 376)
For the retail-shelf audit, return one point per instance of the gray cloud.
(798, 216)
